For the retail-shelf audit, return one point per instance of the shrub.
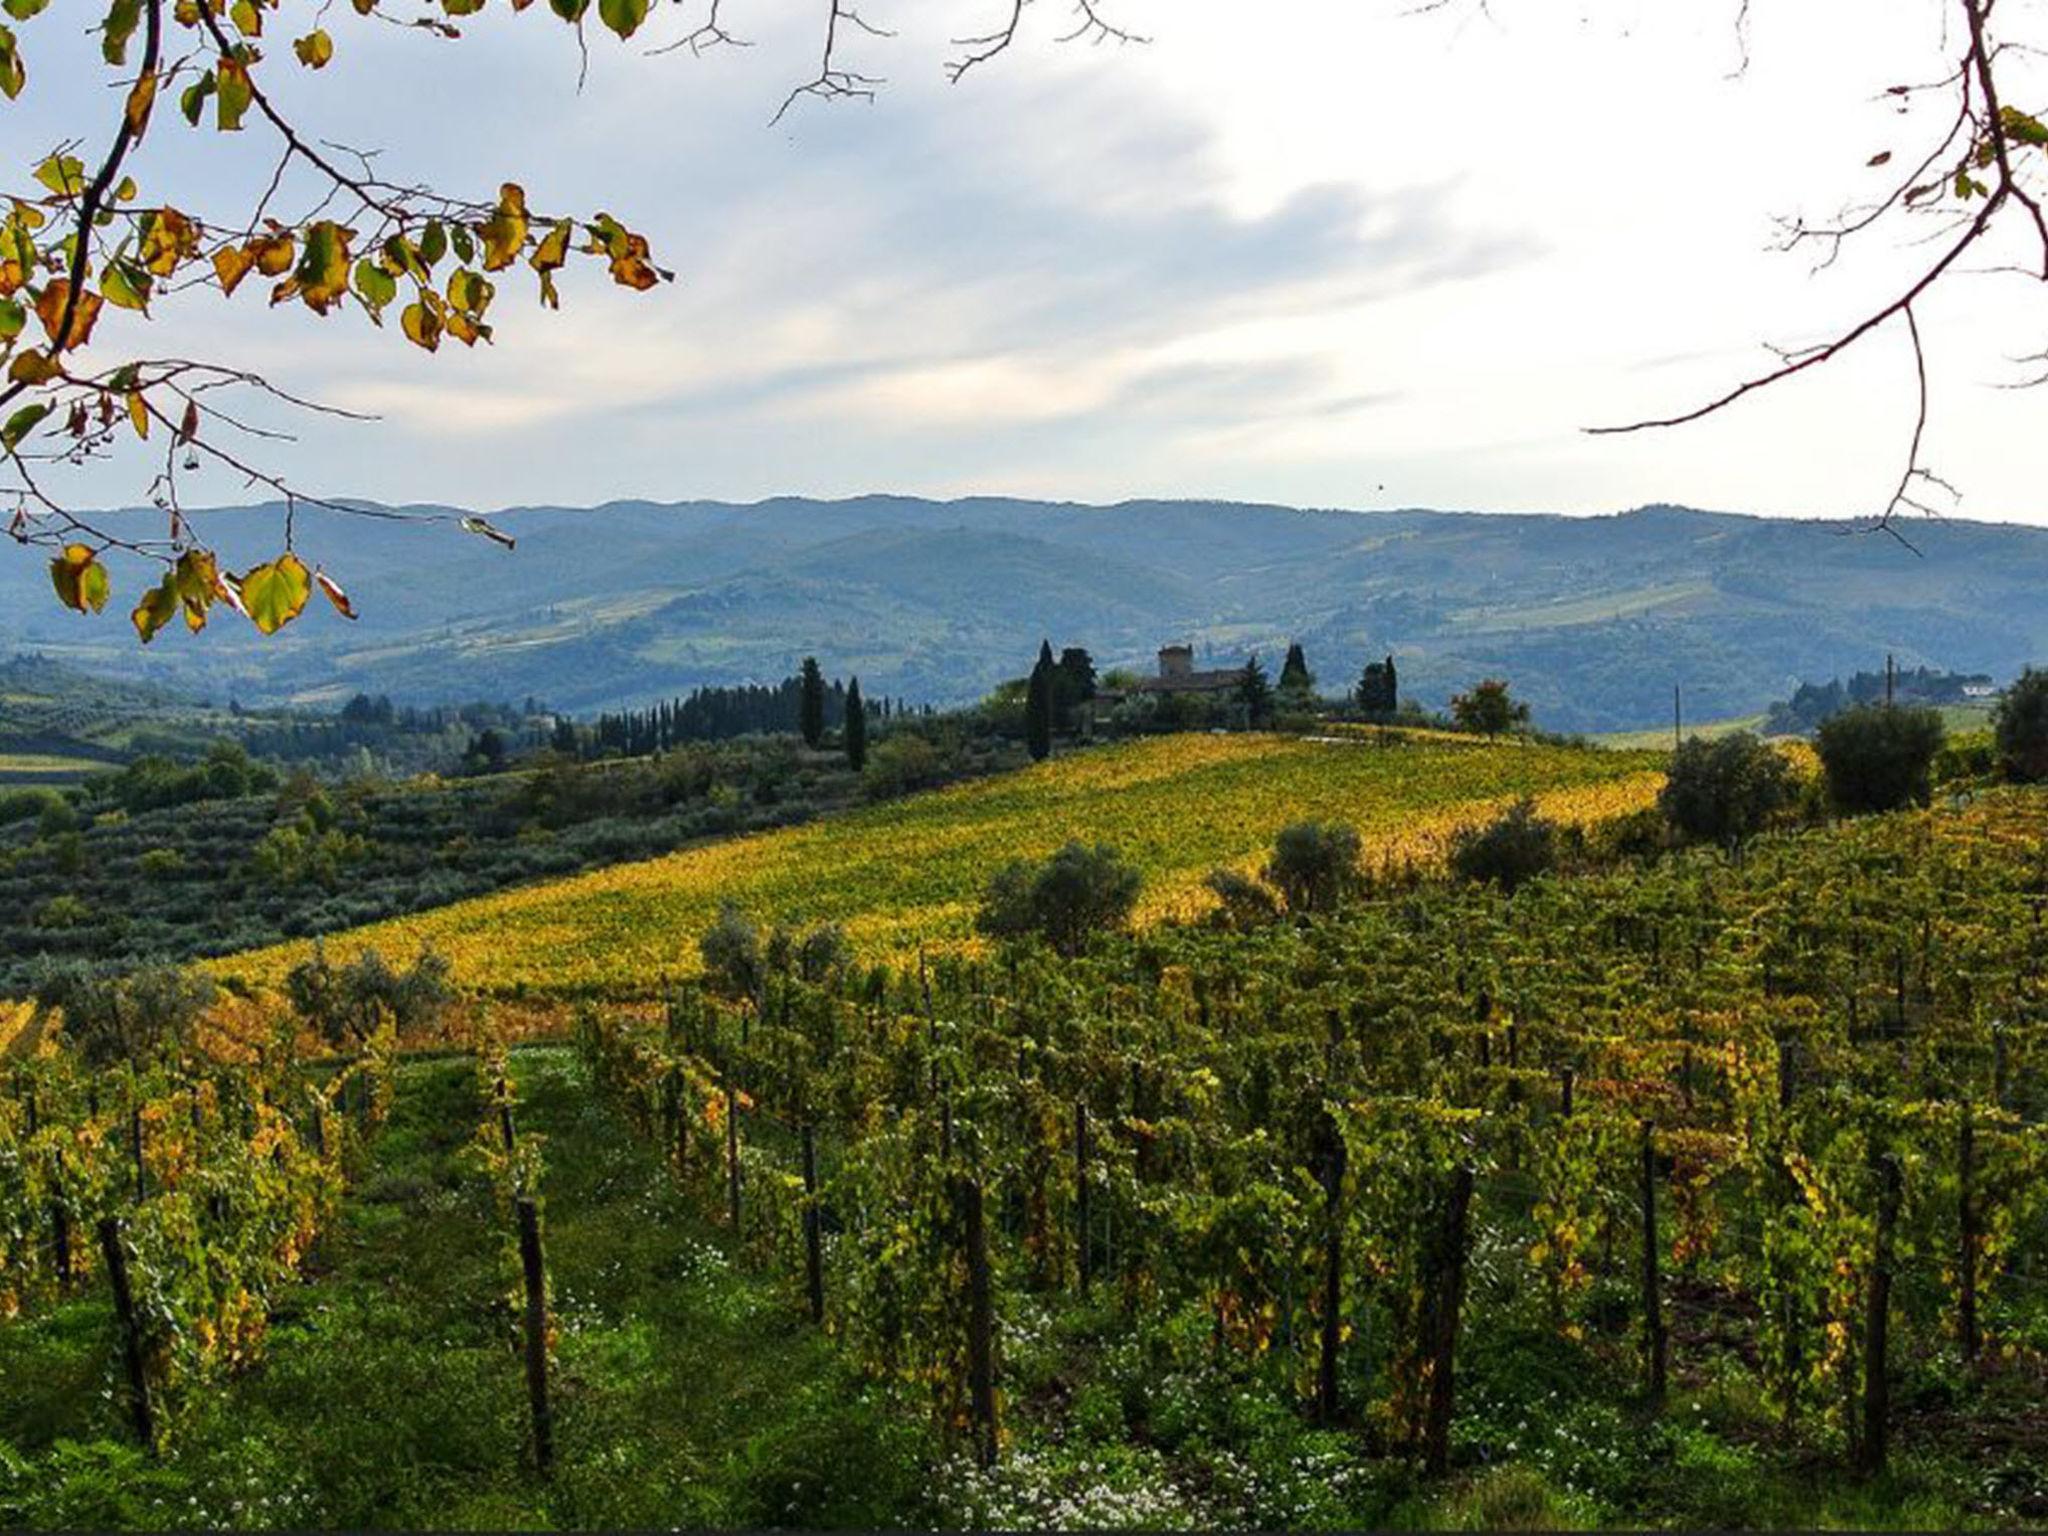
(113, 1019)
(31, 804)
(898, 764)
(823, 953)
(1243, 902)
(1727, 790)
(160, 863)
(64, 911)
(731, 948)
(1509, 851)
(1314, 865)
(1078, 892)
(345, 1004)
(2021, 725)
(1879, 757)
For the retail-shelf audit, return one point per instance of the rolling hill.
(908, 873)
(1594, 619)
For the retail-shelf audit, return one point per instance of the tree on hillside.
(1255, 694)
(2021, 727)
(1378, 691)
(1038, 707)
(1073, 684)
(810, 710)
(1314, 865)
(1509, 851)
(1878, 757)
(1295, 676)
(856, 732)
(1725, 791)
(1075, 894)
(1489, 708)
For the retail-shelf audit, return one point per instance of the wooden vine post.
(533, 1266)
(981, 1331)
(1656, 1342)
(732, 1155)
(814, 1259)
(1970, 1239)
(1333, 1277)
(1443, 1301)
(60, 1225)
(1082, 1214)
(114, 1250)
(1877, 1322)
(534, 1275)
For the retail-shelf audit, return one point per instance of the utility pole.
(1890, 679)
(1677, 718)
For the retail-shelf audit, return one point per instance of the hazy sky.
(1309, 251)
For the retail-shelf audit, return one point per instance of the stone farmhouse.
(1177, 675)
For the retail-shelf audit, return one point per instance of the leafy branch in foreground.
(1984, 169)
(329, 231)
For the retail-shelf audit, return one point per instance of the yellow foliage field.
(909, 872)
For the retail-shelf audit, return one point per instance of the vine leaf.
(275, 594)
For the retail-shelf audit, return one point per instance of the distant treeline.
(715, 714)
(1814, 703)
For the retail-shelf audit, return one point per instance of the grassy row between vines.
(909, 873)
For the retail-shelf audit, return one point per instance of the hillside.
(908, 874)
(1594, 618)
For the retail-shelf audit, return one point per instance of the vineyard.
(1706, 1191)
(903, 876)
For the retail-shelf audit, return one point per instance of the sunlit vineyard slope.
(909, 872)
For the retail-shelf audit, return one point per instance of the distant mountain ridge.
(1593, 618)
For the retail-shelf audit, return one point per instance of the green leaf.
(433, 243)
(314, 49)
(80, 579)
(192, 100)
(13, 73)
(63, 174)
(23, 10)
(623, 16)
(123, 16)
(276, 593)
(375, 287)
(21, 423)
(13, 317)
(234, 93)
(125, 285)
(158, 607)
(322, 273)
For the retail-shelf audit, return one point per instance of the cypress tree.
(811, 703)
(1294, 672)
(1038, 705)
(856, 728)
(1255, 693)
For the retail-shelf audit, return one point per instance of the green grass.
(1658, 738)
(391, 1395)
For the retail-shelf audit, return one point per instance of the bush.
(898, 764)
(731, 948)
(1510, 851)
(1727, 790)
(161, 863)
(1314, 865)
(1243, 902)
(2022, 728)
(1879, 757)
(1078, 892)
(113, 1019)
(346, 1004)
(31, 804)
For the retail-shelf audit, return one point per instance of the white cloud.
(1300, 250)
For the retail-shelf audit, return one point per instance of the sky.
(1315, 252)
